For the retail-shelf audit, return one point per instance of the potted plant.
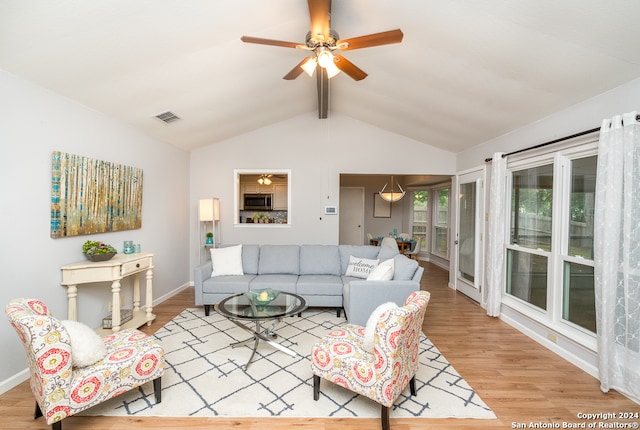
(209, 238)
(98, 251)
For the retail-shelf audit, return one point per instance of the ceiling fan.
(323, 41)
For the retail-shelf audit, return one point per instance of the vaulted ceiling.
(466, 71)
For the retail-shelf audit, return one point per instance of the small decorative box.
(125, 315)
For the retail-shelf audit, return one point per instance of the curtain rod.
(582, 133)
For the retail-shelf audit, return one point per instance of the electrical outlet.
(121, 300)
(552, 337)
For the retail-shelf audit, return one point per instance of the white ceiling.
(466, 71)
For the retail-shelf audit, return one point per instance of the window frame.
(435, 198)
(552, 317)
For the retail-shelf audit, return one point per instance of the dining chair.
(390, 242)
(416, 250)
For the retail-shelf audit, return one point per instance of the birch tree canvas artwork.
(93, 196)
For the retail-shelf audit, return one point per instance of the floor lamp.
(209, 212)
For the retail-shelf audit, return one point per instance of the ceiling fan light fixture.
(309, 66)
(391, 196)
(325, 58)
(264, 180)
(332, 70)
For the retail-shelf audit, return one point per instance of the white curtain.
(496, 234)
(617, 255)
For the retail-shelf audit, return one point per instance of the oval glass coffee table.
(260, 307)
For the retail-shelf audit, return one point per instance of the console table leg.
(115, 306)
(72, 307)
(149, 297)
(136, 292)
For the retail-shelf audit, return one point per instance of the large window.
(550, 251)
(440, 244)
(419, 218)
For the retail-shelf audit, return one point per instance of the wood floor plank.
(520, 380)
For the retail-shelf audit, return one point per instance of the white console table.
(113, 270)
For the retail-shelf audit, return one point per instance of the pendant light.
(391, 196)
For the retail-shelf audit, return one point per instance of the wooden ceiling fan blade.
(322, 80)
(349, 68)
(297, 70)
(272, 42)
(376, 39)
(320, 14)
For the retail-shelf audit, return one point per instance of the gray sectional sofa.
(316, 272)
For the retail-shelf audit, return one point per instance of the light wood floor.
(520, 380)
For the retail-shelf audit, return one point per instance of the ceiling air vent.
(167, 117)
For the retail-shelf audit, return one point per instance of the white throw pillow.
(360, 267)
(227, 261)
(384, 271)
(369, 340)
(87, 346)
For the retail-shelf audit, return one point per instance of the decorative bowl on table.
(100, 257)
(262, 297)
(98, 251)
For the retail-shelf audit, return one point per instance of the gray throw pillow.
(404, 268)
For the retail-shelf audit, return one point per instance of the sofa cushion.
(279, 259)
(227, 261)
(320, 260)
(364, 251)
(250, 258)
(404, 268)
(319, 285)
(227, 284)
(360, 267)
(282, 282)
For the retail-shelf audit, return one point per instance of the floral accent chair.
(377, 361)
(132, 358)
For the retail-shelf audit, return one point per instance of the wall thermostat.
(330, 210)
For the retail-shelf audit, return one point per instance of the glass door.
(469, 234)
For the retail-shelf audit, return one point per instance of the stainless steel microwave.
(258, 202)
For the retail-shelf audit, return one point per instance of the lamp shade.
(206, 209)
(216, 209)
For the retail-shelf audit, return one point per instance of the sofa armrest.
(362, 297)
(200, 274)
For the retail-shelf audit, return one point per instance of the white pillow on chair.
(87, 346)
(369, 340)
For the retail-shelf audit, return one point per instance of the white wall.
(317, 152)
(579, 117)
(35, 122)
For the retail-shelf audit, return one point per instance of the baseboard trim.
(14, 381)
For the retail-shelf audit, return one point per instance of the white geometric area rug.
(205, 377)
